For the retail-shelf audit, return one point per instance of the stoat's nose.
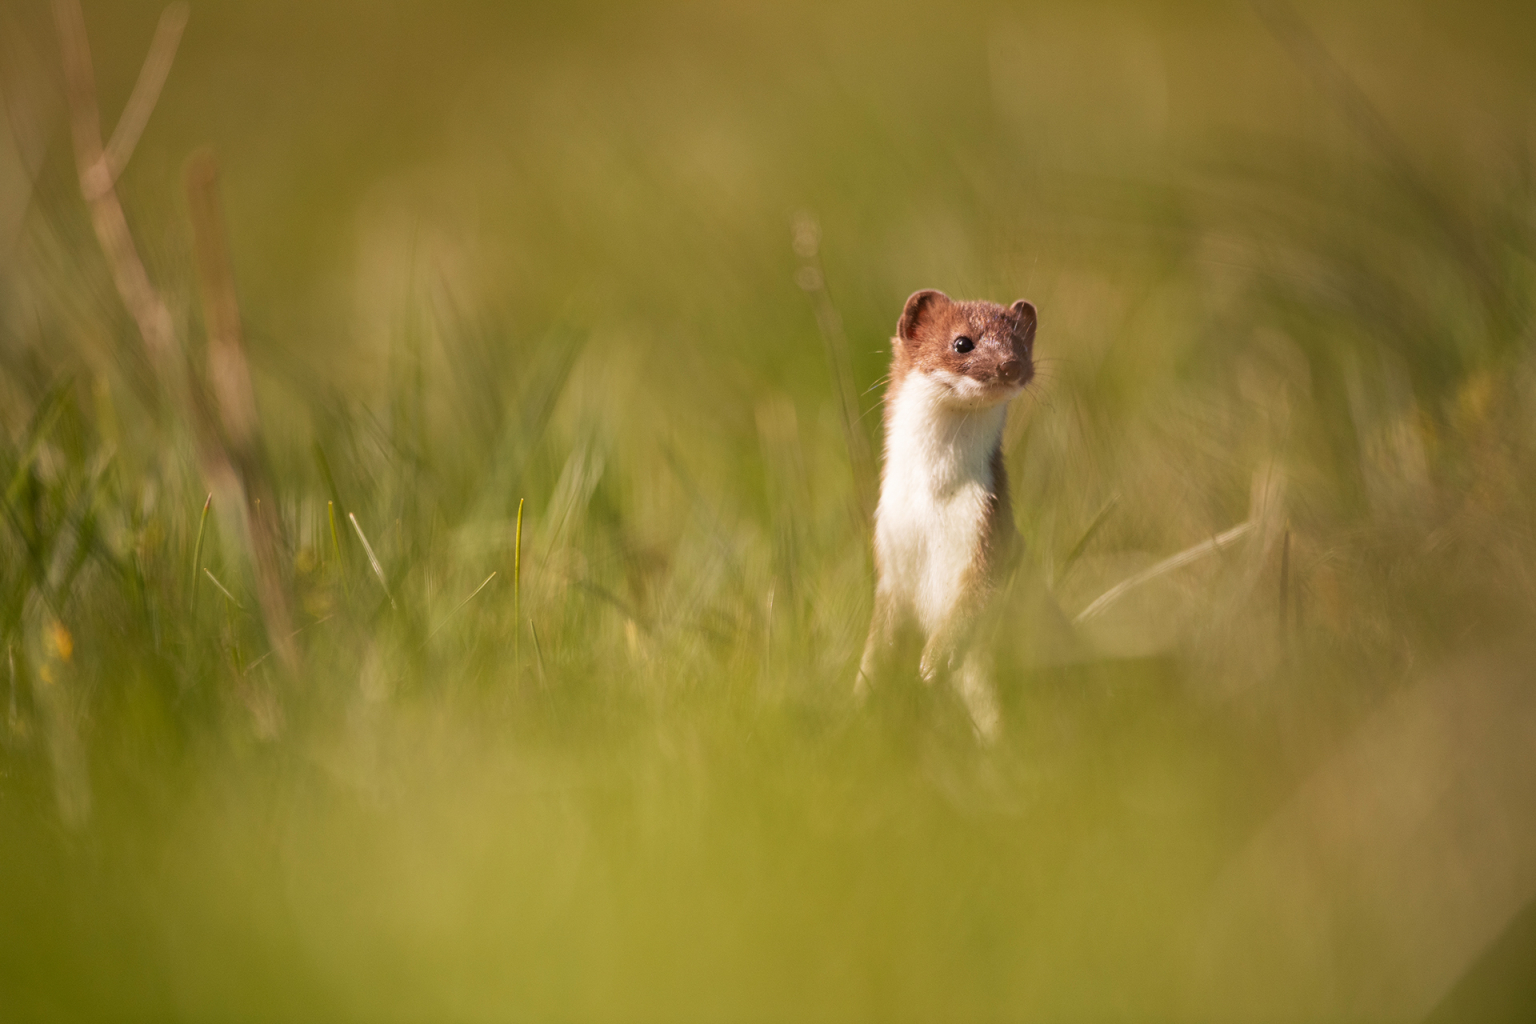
(1010, 371)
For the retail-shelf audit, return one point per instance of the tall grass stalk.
(373, 559)
(197, 551)
(458, 607)
(223, 590)
(517, 586)
(1189, 555)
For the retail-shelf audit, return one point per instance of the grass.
(596, 301)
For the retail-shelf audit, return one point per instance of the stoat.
(944, 533)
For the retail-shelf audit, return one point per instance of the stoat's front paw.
(933, 665)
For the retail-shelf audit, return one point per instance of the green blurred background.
(637, 265)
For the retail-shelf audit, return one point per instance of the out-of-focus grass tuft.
(539, 305)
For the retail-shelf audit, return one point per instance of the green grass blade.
(1082, 542)
(517, 584)
(223, 590)
(197, 550)
(373, 559)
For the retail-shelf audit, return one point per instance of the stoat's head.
(978, 353)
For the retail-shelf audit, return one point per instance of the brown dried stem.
(235, 400)
(146, 91)
(144, 303)
(225, 429)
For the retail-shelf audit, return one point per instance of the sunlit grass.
(566, 334)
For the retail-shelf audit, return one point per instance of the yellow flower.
(63, 643)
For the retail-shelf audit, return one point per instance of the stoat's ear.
(1025, 311)
(921, 306)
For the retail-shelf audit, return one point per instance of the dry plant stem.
(517, 586)
(227, 369)
(96, 185)
(1178, 561)
(98, 170)
(146, 91)
(235, 402)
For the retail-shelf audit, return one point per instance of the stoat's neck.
(935, 445)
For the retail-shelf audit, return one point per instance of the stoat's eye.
(964, 344)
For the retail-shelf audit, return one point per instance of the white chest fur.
(934, 497)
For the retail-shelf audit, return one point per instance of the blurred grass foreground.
(304, 307)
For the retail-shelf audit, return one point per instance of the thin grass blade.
(373, 559)
(223, 590)
(197, 549)
(1167, 565)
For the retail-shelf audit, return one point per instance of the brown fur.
(925, 334)
(932, 321)
(996, 362)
